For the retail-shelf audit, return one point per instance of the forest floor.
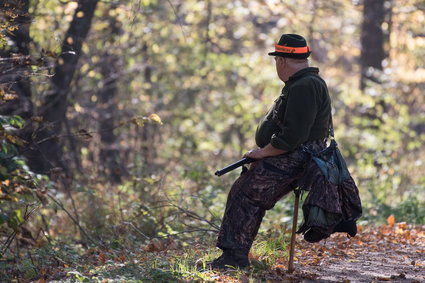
(394, 253)
(377, 254)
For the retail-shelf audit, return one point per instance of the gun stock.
(233, 166)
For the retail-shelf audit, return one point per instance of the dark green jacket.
(300, 114)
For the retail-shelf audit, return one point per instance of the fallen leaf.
(102, 257)
(402, 225)
(391, 220)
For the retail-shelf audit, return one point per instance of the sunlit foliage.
(202, 68)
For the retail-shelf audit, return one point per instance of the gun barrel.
(233, 166)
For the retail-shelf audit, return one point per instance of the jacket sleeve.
(301, 111)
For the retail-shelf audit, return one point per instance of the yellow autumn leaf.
(14, 139)
(10, 96)
(154, 117)
(13, 199)
(139, 121)
(78, 108)
(10, 138)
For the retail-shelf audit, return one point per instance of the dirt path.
(395, 254)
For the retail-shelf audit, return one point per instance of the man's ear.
(281, 60)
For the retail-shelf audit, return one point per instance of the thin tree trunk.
(372, 41)
(109, 155)
(147, 135)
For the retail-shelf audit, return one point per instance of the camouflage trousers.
(257, 190)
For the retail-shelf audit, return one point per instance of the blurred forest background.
(116, 114)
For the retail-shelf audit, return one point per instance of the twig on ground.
(195, 216)
(136, 229)
(189, 231)
(73, 219)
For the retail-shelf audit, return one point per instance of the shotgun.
(233, 166)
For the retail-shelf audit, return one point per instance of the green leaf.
(16, 220)
(7, 148)
(77, 275)
(17, 121)
(14, 121)
(3, 173)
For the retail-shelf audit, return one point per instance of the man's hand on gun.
(255, 153)
(252, 157)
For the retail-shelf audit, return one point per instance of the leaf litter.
(389, 253)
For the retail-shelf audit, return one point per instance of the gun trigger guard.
(244, 170)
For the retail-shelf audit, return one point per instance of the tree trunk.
(17, 71)
(372, 41)
(49, 153)
(109, 153)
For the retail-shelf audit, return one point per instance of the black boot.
(231, 258)
(314, 236)
(348, 226)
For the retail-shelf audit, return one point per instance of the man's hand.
(259, 153)
(256, 153)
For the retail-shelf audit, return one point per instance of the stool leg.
(294, 229)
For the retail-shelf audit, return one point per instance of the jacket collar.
(302, 72)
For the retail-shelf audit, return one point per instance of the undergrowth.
(183, 262)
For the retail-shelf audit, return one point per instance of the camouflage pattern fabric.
(337, 201)
(258, 190)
